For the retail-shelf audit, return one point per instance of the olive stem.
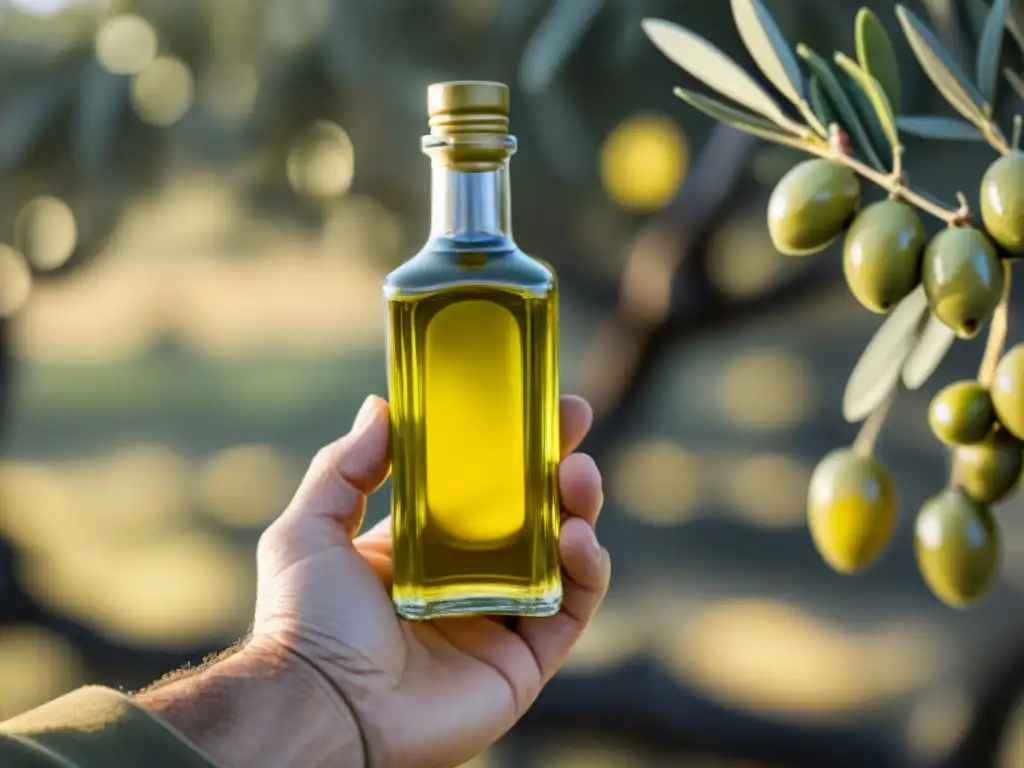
(897, 165)
(1018, 128)
(997, 332)
(955, 470)
(995, 137)
(963, 212)
(836, 150)
(867, 437)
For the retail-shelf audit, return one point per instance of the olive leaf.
(877, 98)
(849, 119)
(937, 127)
(868, 117)
(1016, 81)
(989, 49)
(820, 103)
(934, 343)
(769, 48)
(877, 55)
(878, 370)
(740, 120)
(1015, 24)
(705, 62)
(940, 66)
(974, 14)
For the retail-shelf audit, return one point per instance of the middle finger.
(580, 487)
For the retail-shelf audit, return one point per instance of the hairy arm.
(256, 708)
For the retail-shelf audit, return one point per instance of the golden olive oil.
(473, 383)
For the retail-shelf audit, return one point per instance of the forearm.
(258, 709)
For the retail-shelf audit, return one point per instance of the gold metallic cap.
(467, 106)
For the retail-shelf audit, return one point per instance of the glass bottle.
(472, 346)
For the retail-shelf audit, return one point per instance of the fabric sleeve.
(95, 727)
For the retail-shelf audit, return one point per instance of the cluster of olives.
(957, 537)
(886, 255)
(852, 498)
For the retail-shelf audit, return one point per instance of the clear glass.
(473, 384)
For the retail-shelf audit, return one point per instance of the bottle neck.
(470, 205)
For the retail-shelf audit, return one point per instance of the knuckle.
(273, 539)
(323, 459)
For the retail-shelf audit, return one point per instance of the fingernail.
(366, 413)
(596, 546)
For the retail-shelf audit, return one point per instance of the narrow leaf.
(973, 17)
(769, 48)
(705, 62)
(848, 116)
(820, 103)
(989, 50)
(879, 368)
(876, 96)
(938, 63)
(936, 127)
(740, 120)
(1015, 24)
(868, 117)
(934, 343)
(1016, 81)
(877, 55)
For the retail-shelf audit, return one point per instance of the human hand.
(423, 693)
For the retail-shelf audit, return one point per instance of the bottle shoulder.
(440, 265)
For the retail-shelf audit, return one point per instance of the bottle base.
(479, 605)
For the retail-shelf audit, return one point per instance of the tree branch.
(666, 297)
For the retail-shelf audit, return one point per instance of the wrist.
(261, 707)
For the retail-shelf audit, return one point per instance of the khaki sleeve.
(95, 727)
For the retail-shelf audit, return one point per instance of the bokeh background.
(199, 200)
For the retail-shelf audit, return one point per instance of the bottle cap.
(468, 107)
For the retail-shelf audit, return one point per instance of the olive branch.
(848, 112)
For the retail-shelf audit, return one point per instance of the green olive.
(1008, 391)
(962, 413)
(882, 254)
(957, 546)
(851, 507)
(963, 279)
(989, 471)
(1002, 202)
(811, 205)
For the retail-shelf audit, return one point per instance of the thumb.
(344, 472)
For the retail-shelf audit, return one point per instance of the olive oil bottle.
(472, 345)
